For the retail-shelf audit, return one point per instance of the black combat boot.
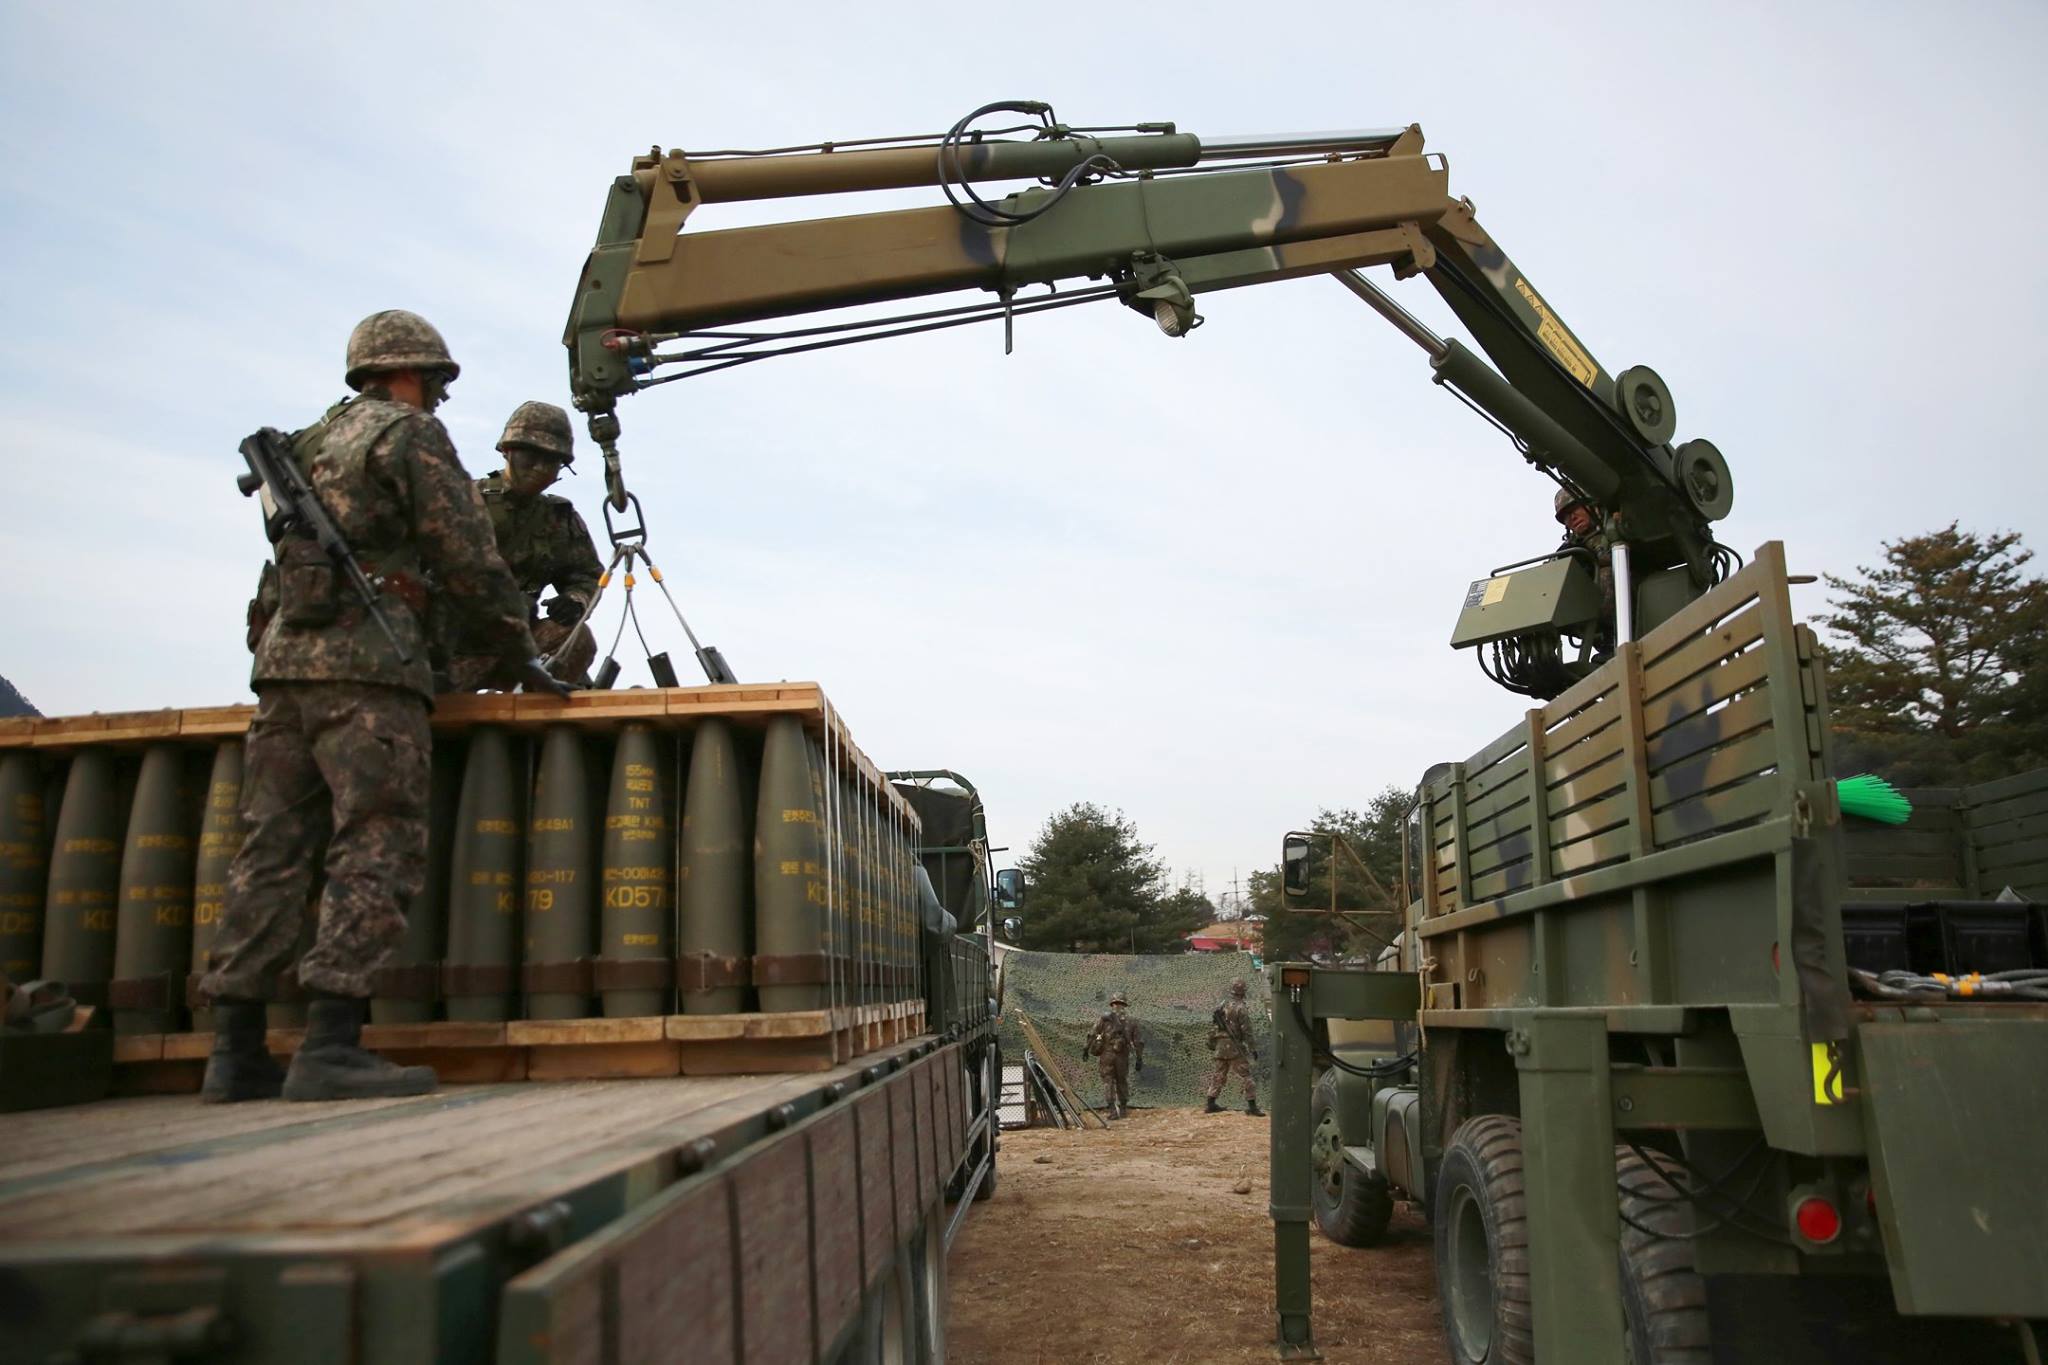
(332, 1065)
(1252, 1107)
(241, 1067)
(1212, 1107)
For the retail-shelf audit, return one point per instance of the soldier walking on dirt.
(544, 543)
(1115, 1044)
(336, 768)
(1230, 1041)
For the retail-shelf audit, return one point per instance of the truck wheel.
(1482, 1244)
(1664, 1300)
(1352, 1208)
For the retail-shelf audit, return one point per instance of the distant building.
(1229, 936)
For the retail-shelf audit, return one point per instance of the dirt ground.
(1131, 1245)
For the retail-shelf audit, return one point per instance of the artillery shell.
(24, 865)
(153, 928)
(409, 984)
(85, 879)
(637, 919)
(714, 877)
(481, 974)
(791, 934)
(221, 832)
(561, 923)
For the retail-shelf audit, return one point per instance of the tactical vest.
(322, 631)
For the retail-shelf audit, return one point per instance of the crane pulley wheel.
(1703, 474)
(1646, 403)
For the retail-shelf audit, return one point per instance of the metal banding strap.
(415, 981)
(87, 992)
(710, 972)
(633, 973)
(573, 977)
(798, 969)
(467, 980)
(141, 992)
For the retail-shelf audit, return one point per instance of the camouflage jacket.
(1234, 1039)
(544, 542)
(390, 479)
(1116, 1037)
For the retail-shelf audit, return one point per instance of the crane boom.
(1153, 219)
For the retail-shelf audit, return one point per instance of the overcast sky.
(1207, 581)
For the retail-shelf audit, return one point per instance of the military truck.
(749, 1184)
(1681, 1062)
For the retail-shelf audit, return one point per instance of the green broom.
(1873, 798)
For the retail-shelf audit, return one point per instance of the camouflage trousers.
(334, 776)
(469, 673)
(1226, 1067)
(1115, 1070)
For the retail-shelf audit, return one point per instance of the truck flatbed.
(499, 1222)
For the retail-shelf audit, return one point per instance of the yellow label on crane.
(1559, 342)
(1496, 589)
(1827, 1074)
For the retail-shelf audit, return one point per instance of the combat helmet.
(1237, 986)
(396, 340)
(1564, 502)
(1118, 999)
(540, 426)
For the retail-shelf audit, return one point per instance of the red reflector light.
(1818, 1220)
(1774, 960)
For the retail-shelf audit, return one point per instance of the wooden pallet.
(567, 1049)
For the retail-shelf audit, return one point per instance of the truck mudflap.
(1955, 1116)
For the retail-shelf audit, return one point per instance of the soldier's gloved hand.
(534, 677)
(566, 610)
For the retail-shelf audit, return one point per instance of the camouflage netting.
(1170, 998)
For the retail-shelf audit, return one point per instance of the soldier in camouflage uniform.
(1115, 1044)
(1583, 531)
(1230, 1041)
(336, 768)
(545, 544)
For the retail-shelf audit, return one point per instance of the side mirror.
(1010, 889)
(1012, 927)
(1294, 867)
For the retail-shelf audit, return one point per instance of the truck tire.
(1482, 1245)
(1351, 1207)
(1664, 1300)
(988, 1182)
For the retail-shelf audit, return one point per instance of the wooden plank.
(1628, 661)
(2029, 879)
(1718, 767)
(1506, 825)
(1587, 754)
(568, 1032)
(1515, 876)
(2012, 808)
(1679, 665)
(835, 1211)
(1901, 868)
(1513, 847)
(1601, 780)
(1559, 739)
(1710, 814)
(214, 722)
(1702, 614)
(771, 1210)
(751, 1056)
(1731, 722)
(605, 1061)
(1500, 799)
(1853, 895)
(17, 732)
(1584, 853)
(1706, 690)
(1503, 771)
(467, 1066)
(2005, 788)
(1994, 862)
(1539, 794)
(1587, 821)
(1860, 837)
(1991, 836)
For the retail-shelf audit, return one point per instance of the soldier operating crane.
(1153, 218)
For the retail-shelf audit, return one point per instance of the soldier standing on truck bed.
(336, 770)
(1116, 1044)
(1231, 1043)
(545, 544)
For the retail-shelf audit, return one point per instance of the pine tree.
(1374, 834)
(1933, 677)
(1095, 887)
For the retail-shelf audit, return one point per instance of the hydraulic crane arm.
(1154, 218)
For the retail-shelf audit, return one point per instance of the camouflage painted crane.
(1154, 218)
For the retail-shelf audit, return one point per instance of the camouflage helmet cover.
(1564, 502)
(396, 340)
(540, 426)
(1118, 999)
(1237, 986)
